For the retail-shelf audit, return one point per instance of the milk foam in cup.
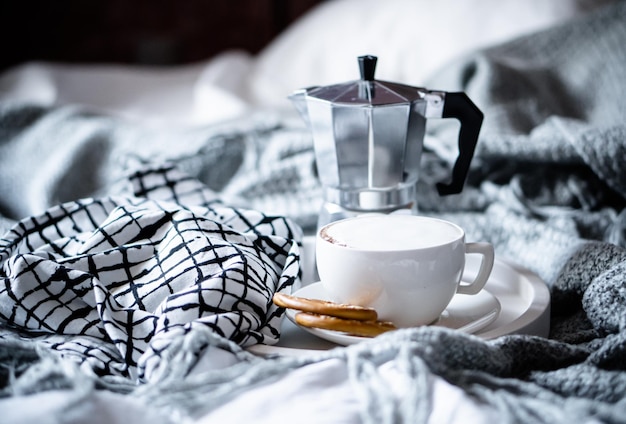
(407, 267)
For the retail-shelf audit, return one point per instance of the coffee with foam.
(391, 232)
(406, 267)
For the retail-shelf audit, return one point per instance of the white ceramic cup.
(407, 267)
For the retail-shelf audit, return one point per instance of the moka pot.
(368, 137)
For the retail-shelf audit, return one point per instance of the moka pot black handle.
(458, 105)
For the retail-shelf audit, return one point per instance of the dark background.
(147, 32)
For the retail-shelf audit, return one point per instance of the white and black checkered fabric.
(111, 282)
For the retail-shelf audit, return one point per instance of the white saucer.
(524, 300)
(465, 313)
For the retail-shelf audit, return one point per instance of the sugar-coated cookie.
(350, 326)
(323, 307)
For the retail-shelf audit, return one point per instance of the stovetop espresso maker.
(368, 137)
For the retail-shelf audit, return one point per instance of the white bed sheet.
(413, 39)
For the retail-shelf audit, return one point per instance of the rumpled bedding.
(135, 273)
(547, 188)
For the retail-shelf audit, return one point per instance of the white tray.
(524, 299)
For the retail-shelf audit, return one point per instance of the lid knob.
(367, 65)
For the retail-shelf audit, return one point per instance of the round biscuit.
(324, 307)
(350, 326)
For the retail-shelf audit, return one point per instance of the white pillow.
(412, 38)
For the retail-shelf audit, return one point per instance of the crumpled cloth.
(111, 282)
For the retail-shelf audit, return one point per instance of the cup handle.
(486, 265)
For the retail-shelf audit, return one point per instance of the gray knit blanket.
(131, 255)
